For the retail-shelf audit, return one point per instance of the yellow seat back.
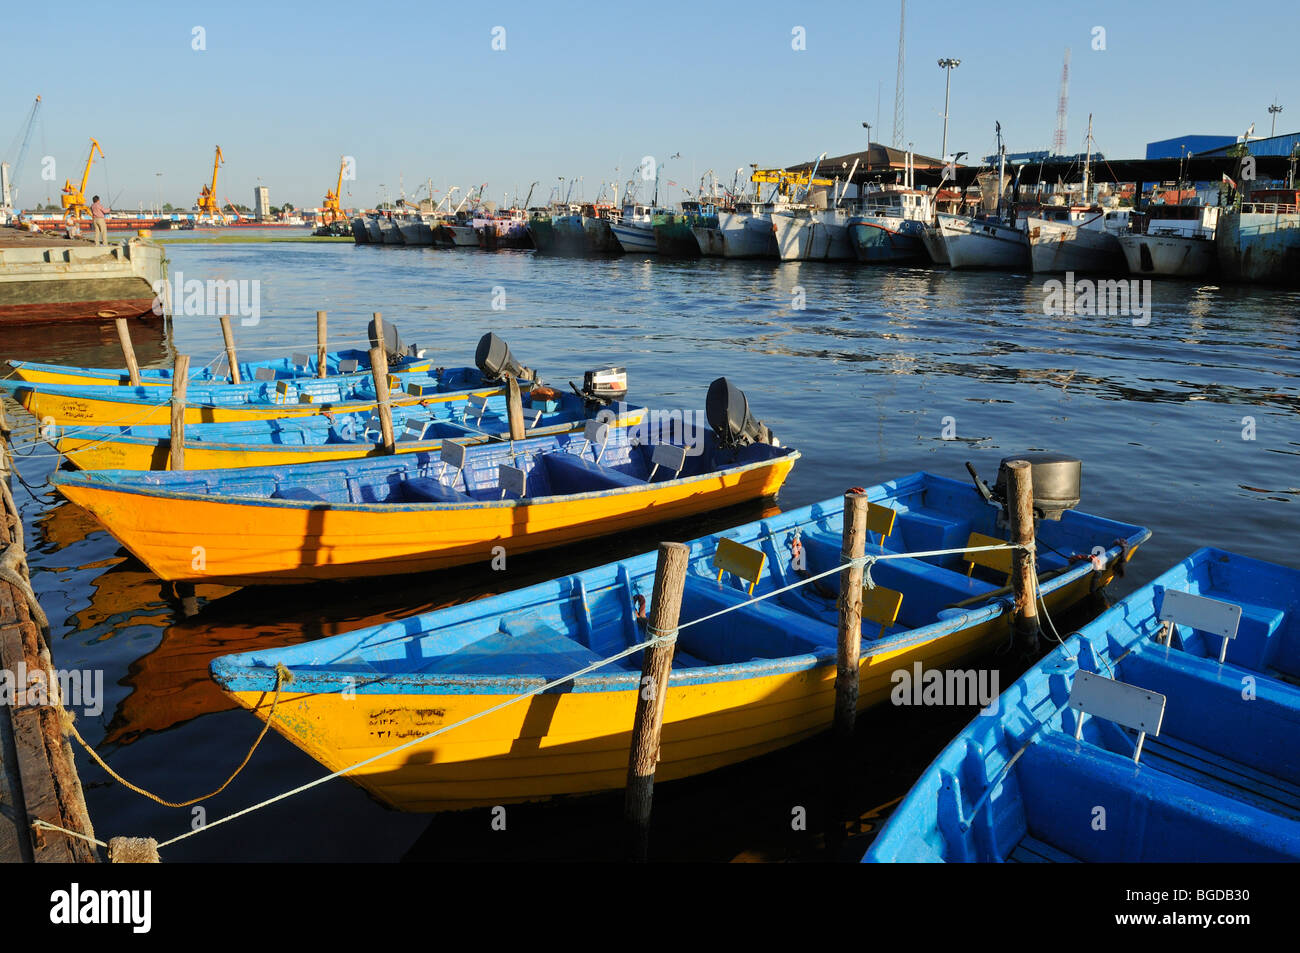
(744, 561)
(880, 520)
(881, 605)
(998, 560)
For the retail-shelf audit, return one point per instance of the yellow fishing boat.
(748, 677)
(414, 512)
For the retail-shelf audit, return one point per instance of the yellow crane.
(786, 180)
(74, 197)
(332, 211)
(208, 204)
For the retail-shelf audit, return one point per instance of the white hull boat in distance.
(635, 230)
(1176, 241)
(1060, 247)
(932, 239)
(982, 242)
(813, 235)
(1170, 256)
(747, 234)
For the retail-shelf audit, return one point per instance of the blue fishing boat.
(417, 428)
(754, 663)
(1168, 729)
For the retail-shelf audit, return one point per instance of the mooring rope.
(282, 677)
(13, 561)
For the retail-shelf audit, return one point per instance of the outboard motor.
(394, 349)
(727, 410)
(1057, 480)
(602, 387)
(496, 363)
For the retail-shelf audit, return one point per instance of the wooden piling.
(320, 343)
(515, 409)
(180, 380)
(4, 441)
(1020, 509)
(128, 352)
(379, 371)
(231, 359)
(647, 723)
(849, 642)
(379, 330)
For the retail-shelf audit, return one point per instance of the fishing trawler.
(891, 225)
(1259, 240)
(635, 230)
(991, 238)
(1175, 241)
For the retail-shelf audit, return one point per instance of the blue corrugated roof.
(1179, 146)
(1282, 145)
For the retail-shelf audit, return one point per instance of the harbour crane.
(207, 203)
(74, 197)
(13, 175)
(332, 212)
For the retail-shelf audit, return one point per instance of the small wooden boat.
(417, 512)
(285, 368)
(278, 442)
(1165, 730)
(114, 405)
(754, 679)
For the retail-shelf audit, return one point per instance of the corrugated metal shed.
(1282, 145)
(1190, 145)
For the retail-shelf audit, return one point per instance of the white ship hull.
(747, 235)
(636, 239)
(932, 239)
(710, 240)
(976, 243)
(1175, 256)
(819, 236)
(1059, 247)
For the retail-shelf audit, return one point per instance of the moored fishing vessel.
(747, 231)
(1259, 240)
(635, 230)
(1080, 238)
(982, 241)
(1172, 240)
(674, 232)
(748, 677)
(890, 225)
(417, 512)
(1142, 711)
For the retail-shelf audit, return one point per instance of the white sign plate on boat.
(348, 367)
(596, 431)
(1120, 702)
(511, 479)
(1200, 613)
(300, 360)
(453, 454)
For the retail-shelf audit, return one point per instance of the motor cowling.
(1057, 482)
(496, 363)
(727, 410)
(394, 349)
(605, 385)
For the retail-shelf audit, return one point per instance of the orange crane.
(331, 211)
(208, 204)
(74, 197)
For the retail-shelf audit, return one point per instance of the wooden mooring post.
(383, 404)
(1020, 510)
(320, 343)
(231, 359)
(515, 409)
(648, 720)
(4, 441)
(849, 641)
(180, 381)
(128, 351)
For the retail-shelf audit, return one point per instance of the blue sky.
(416, 90)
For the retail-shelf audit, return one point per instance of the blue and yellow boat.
(116, 406)
(415, 512)
(1168, 730)
(257, 443)
(295, 366)
(748, 676)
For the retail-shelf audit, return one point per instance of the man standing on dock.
(97, 218)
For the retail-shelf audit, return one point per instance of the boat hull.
(812, 238)
(1170, 256)
(932, 239)
(278, 541)
(636, 239)
(1058, 247)
(879, 239)
(1263, 247)
(974, 243)
(746, 235)
(76, 282)
(710, 240)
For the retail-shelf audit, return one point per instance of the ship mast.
(1087, 162)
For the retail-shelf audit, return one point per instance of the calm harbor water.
(1189, 425)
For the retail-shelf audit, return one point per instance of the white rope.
(46, 825)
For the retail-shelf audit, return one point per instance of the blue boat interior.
(550, 630)
(454, 419)
(283, 368)
(1220, 781)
